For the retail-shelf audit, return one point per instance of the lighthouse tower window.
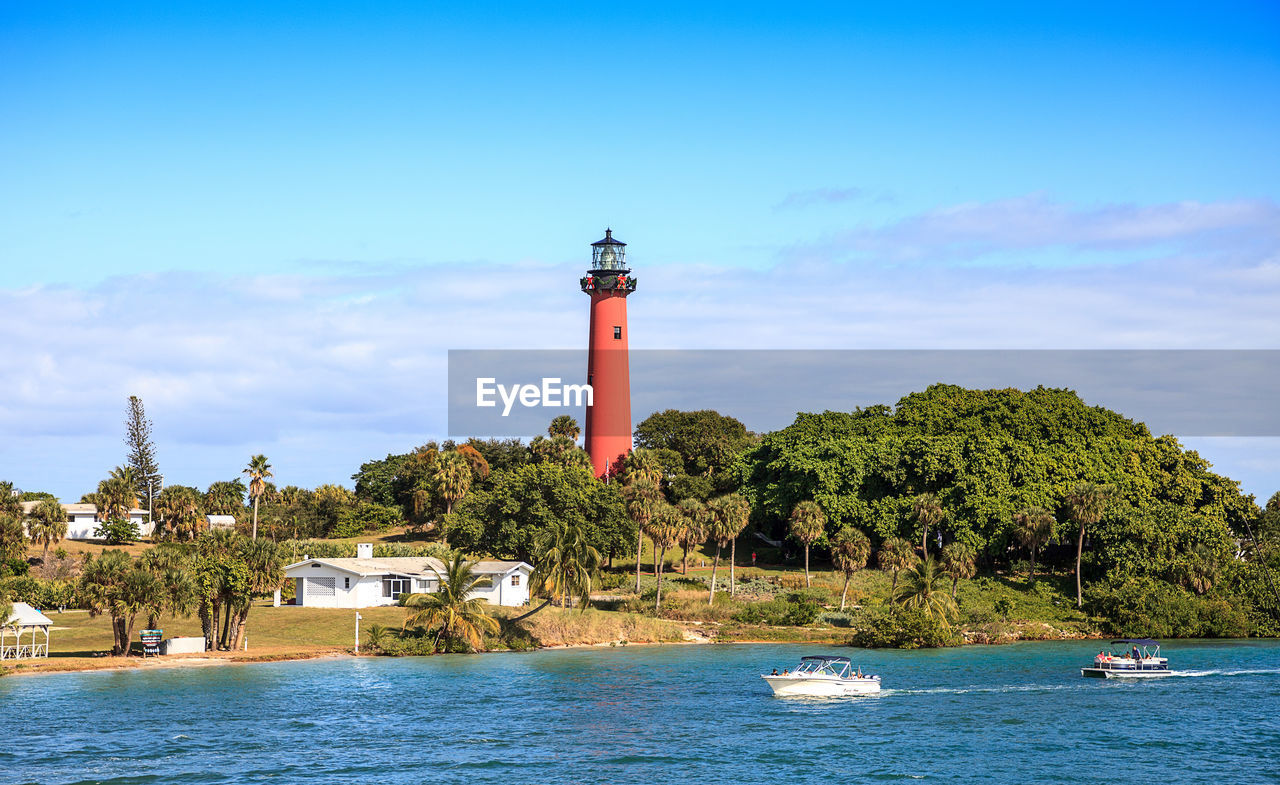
(617, 333)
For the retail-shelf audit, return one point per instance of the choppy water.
(1010, 714)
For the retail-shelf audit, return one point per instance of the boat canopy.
(1138, 641)
(826, 658)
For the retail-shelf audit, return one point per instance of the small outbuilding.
(25, 634)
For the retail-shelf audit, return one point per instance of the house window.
(617, 333)
(426, 585)
(320, 587)
(346, 583)
(515, 580)
(395, 586)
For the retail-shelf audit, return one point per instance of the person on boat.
(775, 672)
(1136, 657)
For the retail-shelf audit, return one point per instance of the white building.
(82, 520)
(220, 521)
(365, 582)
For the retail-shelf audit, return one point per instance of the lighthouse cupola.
(608, 254)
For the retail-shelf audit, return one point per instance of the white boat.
(1137, 658)
(822, 676)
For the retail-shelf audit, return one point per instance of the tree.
(565, 564)
(720, 530)
(925, 588)
(564, 425)
(735, 513)
(850, 553)
(178, 508)
(1197, 570)
(706, 443)
(959, 562)
(115, 500)
(114, 585)
(896, 555)
(1033, 528)
(642, 498)
(258, 471)
(808, 522)
(47, 526)
(225, 497)
(927, 511)
(695, 529)
(176, 593)
(452, 477)
(10, 503)
(13, 537)
(665, 529)
(264, 563)
(142, 451)
(1086, 502)
(450, 610)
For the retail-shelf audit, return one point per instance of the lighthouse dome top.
(608, 254)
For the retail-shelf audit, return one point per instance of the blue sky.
(272, 220)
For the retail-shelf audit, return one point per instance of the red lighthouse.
(608, 282)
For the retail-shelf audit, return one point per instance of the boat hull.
(1110, 673)
(813, 687)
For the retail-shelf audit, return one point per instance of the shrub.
(39, 593)
(796, 609)
(836, 618)
(903, 628)
(1140, 605)
(117, 532)
(15, 566)
(366, 517)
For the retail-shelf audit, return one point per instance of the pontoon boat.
(1135, 658)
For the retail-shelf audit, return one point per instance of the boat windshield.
(823, 667)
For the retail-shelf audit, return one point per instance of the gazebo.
(20, 633)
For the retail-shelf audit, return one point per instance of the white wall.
(366, 592)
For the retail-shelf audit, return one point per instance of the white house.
(220, 521)
(364, 582)
(82, 520)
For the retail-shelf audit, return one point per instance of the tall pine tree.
(142, 451)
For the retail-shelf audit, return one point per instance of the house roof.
(25, 616)
(76, 508)
(410, 565)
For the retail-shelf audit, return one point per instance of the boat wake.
(964, 690)
(1217, 672)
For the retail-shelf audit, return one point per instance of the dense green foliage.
(991, 458)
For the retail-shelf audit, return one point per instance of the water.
(1009, 714)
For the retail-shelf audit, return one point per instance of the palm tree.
(896, 555)
(927, 511)
(959, 562)
(452, 478)
(808, 522)
(565, 564)
(1086, 503)
(48, 525)
(925, 588)
(13, 537)
(665, 529)
(264, 566)
(695, 529)
(642, 497)
(736, 513)
(719, 530)
(115, 497)
(179, 510)
(1199, 571)
(850, 553)
(1032, 528)
(10, 504)
(450, 609)
(258, 471)
(564, 425)
(176, 593)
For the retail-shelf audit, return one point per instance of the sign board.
(151, 641)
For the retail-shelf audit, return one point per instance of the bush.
(15, 566)
(796, 609)
(1144, 606)
(39, 593)
(903, 628)
(117, 532)
(836, 618)
(366, 517)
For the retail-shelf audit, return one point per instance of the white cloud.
(321, 372)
